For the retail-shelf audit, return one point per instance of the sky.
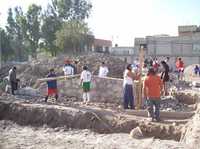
(123, 20)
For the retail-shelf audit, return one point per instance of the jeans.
(151, 103)
(128, 97)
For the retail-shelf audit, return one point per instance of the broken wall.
(103, 89)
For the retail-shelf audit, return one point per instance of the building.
(124, 53)
(185, 45)
(102, 46)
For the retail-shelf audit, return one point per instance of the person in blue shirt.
(52, 85)
(197, 70)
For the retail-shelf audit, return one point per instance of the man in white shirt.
(68, 69)
(86, 77)
(103, 70)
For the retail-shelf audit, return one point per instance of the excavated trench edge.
(38, 115)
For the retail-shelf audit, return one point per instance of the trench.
(100, 121)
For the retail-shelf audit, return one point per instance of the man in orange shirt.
(152, 91)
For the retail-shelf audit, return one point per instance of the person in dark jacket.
(197, 70)
(52, 86)
(165, 77)
(13, 80)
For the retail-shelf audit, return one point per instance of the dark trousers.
(13, 86)
(151, 103)
(128, 97)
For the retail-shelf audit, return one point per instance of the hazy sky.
(123, 20)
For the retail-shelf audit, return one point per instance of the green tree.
(33, 28)
(6, 49)
(51, 24)
(16, 29)
(73, 36)
(72, 9)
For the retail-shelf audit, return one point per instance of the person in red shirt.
(153, 86)
(52, 85)
(180, 68)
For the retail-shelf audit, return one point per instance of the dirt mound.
(29, 72)
(116, 66)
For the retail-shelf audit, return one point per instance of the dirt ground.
(72, 125)
(14, 136)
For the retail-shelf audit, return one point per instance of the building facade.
(185, 45)
(124, 53)
(101, 45)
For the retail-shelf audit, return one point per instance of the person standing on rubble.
(74, 66)
(165, 76)
(68, 69)
(152, 91)
(128, 96)
(156, 65)
(103, 70)
(13, 80)
(85, 82)
(197, 70)
(52, 85)
(180, 68)
(169, 63)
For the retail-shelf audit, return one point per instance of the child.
(68, 68)
(85, 82)
(103, 70)
(52, 86)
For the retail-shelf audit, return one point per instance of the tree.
(59, 14)
(72, 9)
(73, 36)
(6, 49)
(17, 31)
(33, 28)
(51, 24)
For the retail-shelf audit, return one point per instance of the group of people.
(153, 87)
(154, 84)
(85, 79)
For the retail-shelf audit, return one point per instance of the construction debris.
(136, 133)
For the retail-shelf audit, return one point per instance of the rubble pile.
(116, 66)
(172, 104)
(28, 73)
